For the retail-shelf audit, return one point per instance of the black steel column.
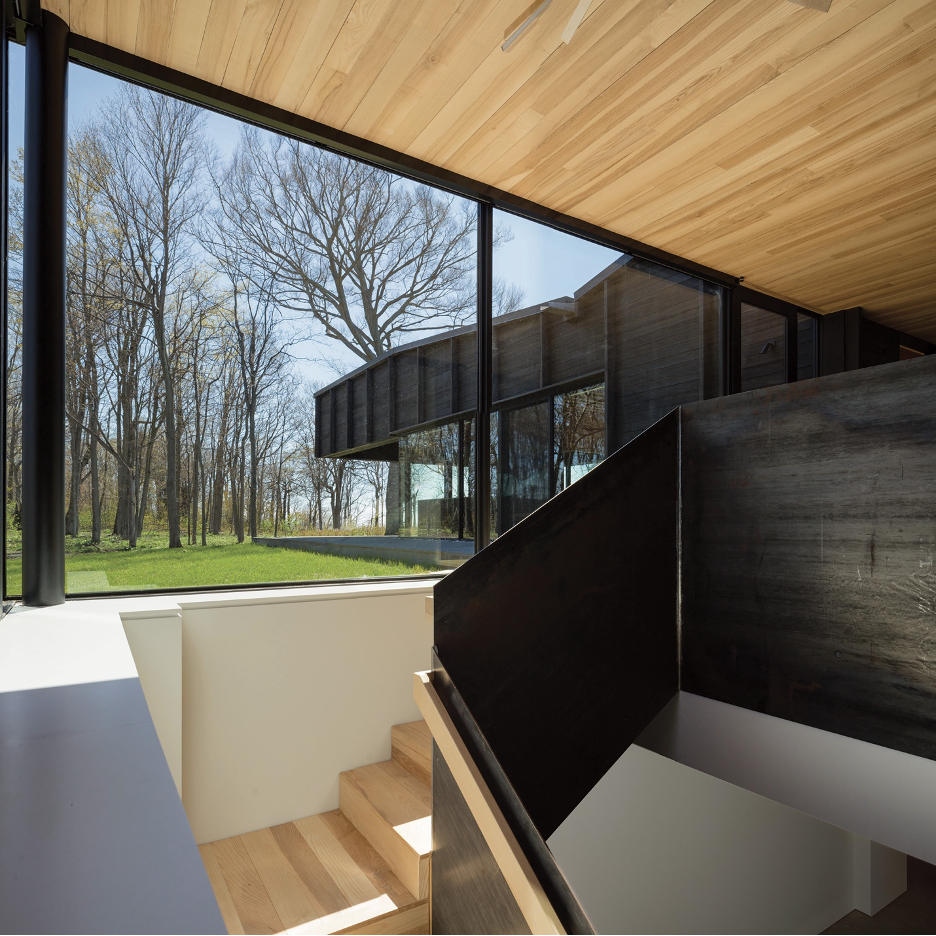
(44, 313)
(485, 365)
(732, 346)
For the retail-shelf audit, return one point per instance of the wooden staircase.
(362, 868)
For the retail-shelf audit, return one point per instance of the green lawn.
(154, 565)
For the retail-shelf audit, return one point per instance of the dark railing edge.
(554, 884)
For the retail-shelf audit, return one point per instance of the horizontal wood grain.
(767, 140)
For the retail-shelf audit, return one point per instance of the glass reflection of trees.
(540, 449)
(578, 435)
(436, 472)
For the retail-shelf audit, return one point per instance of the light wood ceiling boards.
(775, 142)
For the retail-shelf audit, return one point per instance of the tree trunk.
(393, 499)
(217, 499)
(169, 421)
(252, 504)
(204, 507)
(95, 491)
(240, 513)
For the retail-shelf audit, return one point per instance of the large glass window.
(219, 276)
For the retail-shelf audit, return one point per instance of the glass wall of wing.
(611, 344)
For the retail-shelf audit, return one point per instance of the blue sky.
(543, 262)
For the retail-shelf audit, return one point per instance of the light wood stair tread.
(314, 875)
(392, 798)
(411, 745)
(390, 807)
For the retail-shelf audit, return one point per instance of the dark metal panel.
(406, 370)
(368, 405)
(437, 379)
(392, 392)
(359, 410)
(916, 344)
(582, 593)
(453, 375)
(382, 401)
(517, 349)
(655, 332)
(43, 378)
(551, 879)
(809, 533)
(575, 345)
(420, 384)
(469, 893)
(832, 344)
(467, 356)
(879, 344)
(340, 407)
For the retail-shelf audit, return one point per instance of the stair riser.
(404, 755)
(411, 868)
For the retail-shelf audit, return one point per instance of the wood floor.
(329, 874)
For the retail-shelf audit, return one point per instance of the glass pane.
(14, 323)
(592, 347)
(523, 463)
(763, 348)
(296, 404)
(807, 350)
(578, 435)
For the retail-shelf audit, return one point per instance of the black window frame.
(791, 313)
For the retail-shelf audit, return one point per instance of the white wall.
(155, 640)
(884, 795)
(657, 847)
(276, 693)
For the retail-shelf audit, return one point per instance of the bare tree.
(260, 333)
(154, 151)
(365, 255)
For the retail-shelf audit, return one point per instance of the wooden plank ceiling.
(789, 146)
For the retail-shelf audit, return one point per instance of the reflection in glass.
(578, 435)
(539, 450)
(763, 348)
(579, 373)
(436, 484)
(806, 351)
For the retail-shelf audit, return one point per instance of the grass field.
(112, 567)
